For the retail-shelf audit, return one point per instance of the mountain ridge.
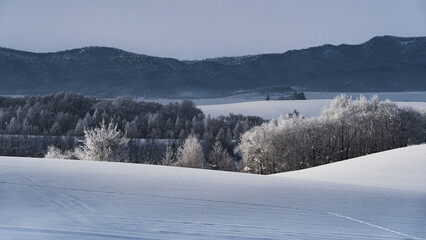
(383, 63)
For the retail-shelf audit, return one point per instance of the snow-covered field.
(251, 97)
(267, 109)
(273, 109)
(393, 96)
(381, 196)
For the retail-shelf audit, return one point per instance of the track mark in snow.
(67, 232)
(375, 226)
(163, 196)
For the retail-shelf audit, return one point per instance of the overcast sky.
(197, 29)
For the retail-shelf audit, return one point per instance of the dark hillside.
(380, 64)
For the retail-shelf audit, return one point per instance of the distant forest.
(67, 114)
(61, 119)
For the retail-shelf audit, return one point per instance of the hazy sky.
(197, 29)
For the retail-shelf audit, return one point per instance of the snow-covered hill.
(66, 199)
(273, 109)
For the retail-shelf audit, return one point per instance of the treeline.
(67, 114)
(345, 129)
(33, 146)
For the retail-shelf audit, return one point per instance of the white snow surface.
(67, 199)
(403, 168)
(273, 109)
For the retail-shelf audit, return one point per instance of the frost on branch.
(191, 153)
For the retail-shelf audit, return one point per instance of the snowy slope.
(403, 168)
(273, 109)
(66, 199)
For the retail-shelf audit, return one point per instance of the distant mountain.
(381, 64)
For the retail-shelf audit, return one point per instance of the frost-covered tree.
(131, 129)
(53, 152)
(169, 157)
(272, 147)
(80, 126)
(342, 112)
(220, 159)
(26, 127)
(56, 129)
(14, 126)
(190, 154)
(256, 149)
(105, 144)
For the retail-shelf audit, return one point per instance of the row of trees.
(345, 129)
(293, 96)
(33, 146)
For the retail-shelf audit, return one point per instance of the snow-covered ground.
(273, 109)
(66, 199)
